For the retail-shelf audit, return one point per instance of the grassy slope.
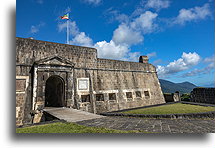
(178, 108)
(68, 128)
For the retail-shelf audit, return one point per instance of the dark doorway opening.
(54, 92)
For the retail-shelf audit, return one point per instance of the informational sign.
(83, 83)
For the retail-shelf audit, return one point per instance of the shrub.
(185, 97)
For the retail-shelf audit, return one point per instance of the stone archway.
(55, 92)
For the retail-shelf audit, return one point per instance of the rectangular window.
(146, 93)
(85, 98)
(112, 96)
(129, 94)
(138, 94)
(99, 97)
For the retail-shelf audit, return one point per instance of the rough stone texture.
(20, 98)
(39, 60)
(173, 97)
(71, 115)
(22, 89)
(154, 125)
(203, 95)
(172, 116)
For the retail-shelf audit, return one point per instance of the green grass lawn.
(177, 108)
(66, 127)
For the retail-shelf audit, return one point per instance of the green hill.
(170, 87)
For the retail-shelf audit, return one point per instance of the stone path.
(154, 125)
(71, 115)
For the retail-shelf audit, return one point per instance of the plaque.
(83, 84)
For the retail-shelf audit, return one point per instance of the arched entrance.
(54, 92)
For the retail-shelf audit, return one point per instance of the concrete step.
(71, 115)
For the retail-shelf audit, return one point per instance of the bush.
(185, 97)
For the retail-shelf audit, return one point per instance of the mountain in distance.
(170, 87)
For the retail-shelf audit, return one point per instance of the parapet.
(143, 59)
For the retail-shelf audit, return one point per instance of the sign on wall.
(83, 84)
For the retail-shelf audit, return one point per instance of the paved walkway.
(135, 123)
(154, 125)
(71, 115)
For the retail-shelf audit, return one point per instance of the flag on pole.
(65, 17)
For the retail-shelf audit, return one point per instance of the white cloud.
(150, 4)
(161, 71)
(122, 18)
(193, 14)
(35, 28)
(133, 56)
(82, 40)
(115, 15)
(73, 28)
(209, 59)
(206, 70)
(93, 2)
(78, 38)
(185, 62)
(190, 59)
(128, 33)
(132, 32)
(125, 35)
(157, 4)
(145, 22)
(111, 50)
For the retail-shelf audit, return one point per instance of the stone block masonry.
(203, 95)
(60, 75)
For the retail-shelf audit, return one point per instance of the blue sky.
(177, 35)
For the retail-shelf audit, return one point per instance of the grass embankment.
(177, 108)
(68, 128)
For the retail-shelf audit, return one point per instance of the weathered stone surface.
(154, 125)
(71, 115)
(203, 95)
(173, 97)
(40, 60)
(37, 117)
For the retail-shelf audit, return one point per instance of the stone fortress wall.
(203, 95)
(89, 83)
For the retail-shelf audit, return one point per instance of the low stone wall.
(171, 116)
(173, 97)
(203, 95)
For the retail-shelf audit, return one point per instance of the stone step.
(71, 115)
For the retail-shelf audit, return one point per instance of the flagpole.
(68, 30)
